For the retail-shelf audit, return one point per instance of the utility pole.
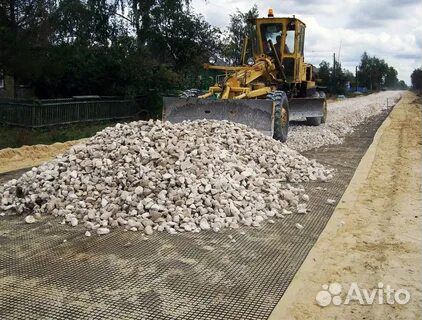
(356, 77)
(334, 73)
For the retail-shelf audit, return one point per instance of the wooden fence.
(44, 113)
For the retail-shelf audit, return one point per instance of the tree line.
(372, 73)
(131, 47)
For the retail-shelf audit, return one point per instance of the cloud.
(388, 29)
(412, 56)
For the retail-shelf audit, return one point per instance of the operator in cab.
(278, 46)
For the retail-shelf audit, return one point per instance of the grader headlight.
(251, 61)
(212, 60)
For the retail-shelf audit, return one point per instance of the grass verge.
(15, 137)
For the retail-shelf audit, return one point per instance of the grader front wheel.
(281, 119)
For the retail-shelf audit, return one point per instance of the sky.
(388, 29)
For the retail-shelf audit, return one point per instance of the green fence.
(44, 113)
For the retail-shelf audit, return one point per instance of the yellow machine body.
(240, 79)
(272, 60)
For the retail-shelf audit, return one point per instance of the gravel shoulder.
(374, 234)
(343, 117)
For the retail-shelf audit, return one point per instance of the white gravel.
(343, 116)
(155, 176)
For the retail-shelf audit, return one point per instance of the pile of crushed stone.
(157, 176)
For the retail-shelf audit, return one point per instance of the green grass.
(14, 137)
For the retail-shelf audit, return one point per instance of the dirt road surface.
(374, 235)
(55, 271)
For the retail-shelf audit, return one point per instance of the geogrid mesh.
(52, 271)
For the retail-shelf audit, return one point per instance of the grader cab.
(271, 86)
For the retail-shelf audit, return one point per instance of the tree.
(338, 78)
(240, 26)
(180, 37)
(24, 33)
(349, 76)
(138, 14)
(402, 85)
(375, 73)
(416, 78)
(324, 73)
(335, 79)
(390, 79)
(72, 47)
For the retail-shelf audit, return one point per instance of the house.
(9, 89)
(7, 86)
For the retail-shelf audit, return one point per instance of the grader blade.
(255, 113)
(300, 108)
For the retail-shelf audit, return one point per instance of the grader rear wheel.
(316, 121)
(325, 111)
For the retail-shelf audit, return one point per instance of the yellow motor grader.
(270, 87)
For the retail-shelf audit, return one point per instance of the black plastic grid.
(184, 276)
